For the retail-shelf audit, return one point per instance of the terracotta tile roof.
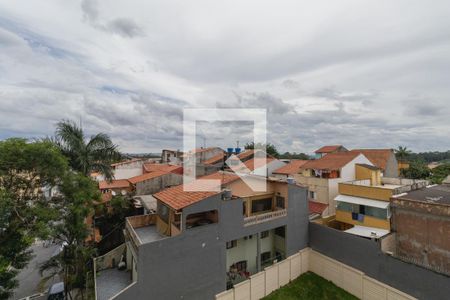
(177, 198)
(379, 157)
(245, 154)
(146, 176)
(328, 149)
(316, 207)
(215, 159)
(257, 162)
(293, 167)
(150, 167)
(332, 161)
(114, 184)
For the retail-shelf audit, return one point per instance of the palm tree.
(402, 153)
(86, 155)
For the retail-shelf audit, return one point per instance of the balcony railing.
(137, 222)
(252, 220)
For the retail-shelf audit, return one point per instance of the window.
(261, 205)
(241, 265)
(280, 231)
(280, 202)
(163, 212)
(376, 212)
(265, 257)
(231, 244)
(202, 218)
(312, 195)
(265, 234)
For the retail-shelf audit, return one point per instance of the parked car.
(56, 291)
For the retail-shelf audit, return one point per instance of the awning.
(362, 201)
(370, 232)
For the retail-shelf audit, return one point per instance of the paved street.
(29, 277)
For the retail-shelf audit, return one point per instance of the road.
(29, 278)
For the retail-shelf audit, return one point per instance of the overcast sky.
(358, 73)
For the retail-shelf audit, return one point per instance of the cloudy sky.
(358, 73)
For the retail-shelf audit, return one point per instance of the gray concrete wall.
(365, 255)
(192, 265)
(157, 184)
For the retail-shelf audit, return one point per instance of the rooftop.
(370, 167)
(147, 176)
(332, 161)
(316, 207)
(328, 149)
(114, 184)
(177, 198)
(438, 194)
(379, 157)
(110, 282)
(148, 234)
(215, 159)
(293, 167)
(149, 167)
(257, 162)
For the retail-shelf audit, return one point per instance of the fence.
(280, 274)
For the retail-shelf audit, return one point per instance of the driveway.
(29, 278)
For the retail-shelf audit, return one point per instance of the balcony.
(264, 217)
(142, 229)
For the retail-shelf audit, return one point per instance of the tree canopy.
(269, 148)
(25, 169)
(86, 155)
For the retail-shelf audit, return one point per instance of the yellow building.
(363, 205)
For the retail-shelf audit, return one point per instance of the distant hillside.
(429, 157)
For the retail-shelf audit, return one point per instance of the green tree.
(25, 168)
(75, 204)
(402, 153)
(86, 155)
(417, 170)
(269, 148)
(439, 173)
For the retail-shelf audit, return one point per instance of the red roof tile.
(177, 198)
(150, 167)
(316, 207)
(328, 149)
(215, 159)
(332, 161)
(293, 167)
(146, 176)
(257, 162)
(114, 184)
(379, 157)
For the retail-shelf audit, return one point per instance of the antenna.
(237, 144)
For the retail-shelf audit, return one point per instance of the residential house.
(384, 159)
(323, 175)
(200, 243)
(154, 182)
(292, 168)
(363, 207)
(127, 169)
(421, 227)
(174, 157)
(321, 152)
(261, 166)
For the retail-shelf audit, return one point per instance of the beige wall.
(347, 278)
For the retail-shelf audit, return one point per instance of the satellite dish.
(113, 193)
(123, 192)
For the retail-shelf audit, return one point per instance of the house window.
(241, 266)
(280, 202)
(163, 212)
(312, 195)
(265, 234)
(262, 205)
(280, 231)
(265, 257)
(231, 244)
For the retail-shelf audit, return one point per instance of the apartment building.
(363, 205)
(198, 244)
